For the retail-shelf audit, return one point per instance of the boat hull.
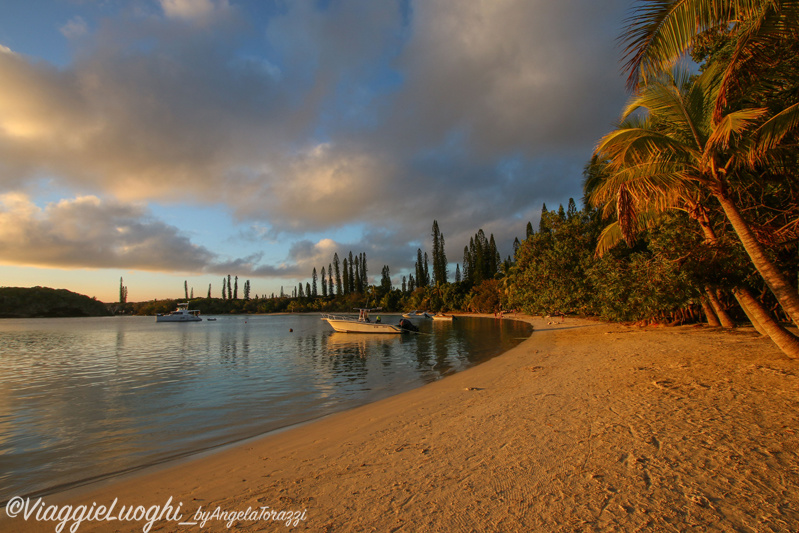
(179, 318)
(353, 326)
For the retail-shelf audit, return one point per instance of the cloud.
(355, 113)
(193, 10)
(86, 232)
(75, 27)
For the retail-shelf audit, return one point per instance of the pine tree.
(229, 288)
(324, 283)
(186, 288)
(411, 283)
(467, 264)
(300, 294)
(209, 291)
(404, 285)
(336, 266)
(364, 275)
(314, 280)
(529, 230)
(426, 271)
(329, 280)
(123, 292)
(439, 256)
(543, 227)
(571, 212)
(192, 293)
(247, 290)
(385, 281)
(346, 277)
(352, 277)
(236, 288)
(457, 273)
(419, 268)
(308, 289)
(224, 288)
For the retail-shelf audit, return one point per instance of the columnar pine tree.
(352, 277)
(419, 268)
(209, 291)
(439, 256)
(364, 275)
(186, 288)
(346, 277)
(337, 267)
(385, 281)
(314, 281)
(236, 288)
(224, 288)
(324, 283)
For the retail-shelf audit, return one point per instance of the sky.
(163, 141)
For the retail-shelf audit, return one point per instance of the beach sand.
(586, 426)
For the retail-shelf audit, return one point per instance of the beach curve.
(584, 426)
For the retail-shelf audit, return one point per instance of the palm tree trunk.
(745, 304)
(721, 313)
(784, 292)
(786, 341)
(709, 313)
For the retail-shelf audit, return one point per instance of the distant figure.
(378, 320)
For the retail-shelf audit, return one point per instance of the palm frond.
(771, 133)
(661, 31)
(731, 125)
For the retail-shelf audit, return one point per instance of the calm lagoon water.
(82, 398)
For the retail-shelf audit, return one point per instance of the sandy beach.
(586, 426)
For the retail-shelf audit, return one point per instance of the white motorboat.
(443, 317)
(181, 314)
(362, 324)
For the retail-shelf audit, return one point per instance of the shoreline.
(585, 425)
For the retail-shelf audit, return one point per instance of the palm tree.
(678, 151)
(662, 31)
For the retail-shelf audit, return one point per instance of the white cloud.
(75, 27)
(193, 10)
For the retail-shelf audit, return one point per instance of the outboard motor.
(407, 325)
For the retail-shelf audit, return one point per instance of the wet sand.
(586, 426)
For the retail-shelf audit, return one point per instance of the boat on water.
(181, 314)
(442, 317)
(416, 314)
(362, 324)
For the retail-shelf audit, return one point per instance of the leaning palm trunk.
(761, 319)
(786, 341)
(721, 313)
(786, 295)
(747, 304)
(709, 313)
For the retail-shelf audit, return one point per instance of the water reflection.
(82, 397)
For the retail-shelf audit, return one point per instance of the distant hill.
(18, 302)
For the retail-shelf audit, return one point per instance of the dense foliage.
(35, 302)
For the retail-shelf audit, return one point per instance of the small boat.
(417, 314)
(181, 314)
(443, 317)
(362, 324)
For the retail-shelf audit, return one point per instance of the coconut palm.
(660, 32)
(675, 152)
